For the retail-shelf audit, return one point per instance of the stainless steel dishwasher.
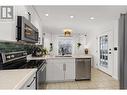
(83, 68)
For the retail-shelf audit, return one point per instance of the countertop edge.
(22, 82)
(29, 57)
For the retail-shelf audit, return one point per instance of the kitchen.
(64, 50)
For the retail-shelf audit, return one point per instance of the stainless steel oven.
(41, 77)
(41, 72)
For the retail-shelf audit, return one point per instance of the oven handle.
(31, 82)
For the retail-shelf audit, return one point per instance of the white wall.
(8, 27)
(93, 46)
(115, 44)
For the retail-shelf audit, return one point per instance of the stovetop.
(17, 60)
(33, 64)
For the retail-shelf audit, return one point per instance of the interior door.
(105, 52)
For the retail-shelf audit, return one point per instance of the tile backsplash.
(14, 47)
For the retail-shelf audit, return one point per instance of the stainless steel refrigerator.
(123, 51)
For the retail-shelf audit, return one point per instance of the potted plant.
(44, 51)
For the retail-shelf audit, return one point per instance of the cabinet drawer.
(30, 83)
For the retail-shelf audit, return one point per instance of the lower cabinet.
(70, 69)
(30, 83)
(60, 70)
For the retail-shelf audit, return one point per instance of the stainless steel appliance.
(17, 60)
(41, 72)
(41, 77)
(122, 44)
(26, 31)
(83, 68)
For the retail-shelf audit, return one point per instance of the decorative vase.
(86, 51)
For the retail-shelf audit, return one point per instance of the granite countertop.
(14, 79)
(29, 57)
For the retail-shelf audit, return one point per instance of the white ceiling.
(59, 19)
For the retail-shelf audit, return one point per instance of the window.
(65, 46)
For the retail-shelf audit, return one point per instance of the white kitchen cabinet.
(49, 70)
(54, 71)
(30, 83)
(70, 69)
(60, 69)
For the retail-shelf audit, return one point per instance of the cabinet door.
(58, 70)
(49, 70)
(54, 70)
(70, 69)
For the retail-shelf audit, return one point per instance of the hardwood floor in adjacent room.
(99, 80)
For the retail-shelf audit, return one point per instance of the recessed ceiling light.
(46, 14)
(92, 18)
(71, 16)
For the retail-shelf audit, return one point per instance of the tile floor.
(99, 80)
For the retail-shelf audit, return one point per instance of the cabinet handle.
(64, 67)
(31, 82)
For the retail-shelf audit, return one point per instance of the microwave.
(26, 31)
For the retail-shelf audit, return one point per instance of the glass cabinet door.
(104, 51)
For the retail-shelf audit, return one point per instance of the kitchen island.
(63, 68)
(17, 79)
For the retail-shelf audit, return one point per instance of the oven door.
(41, 77)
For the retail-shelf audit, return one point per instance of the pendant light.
(67, 32)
